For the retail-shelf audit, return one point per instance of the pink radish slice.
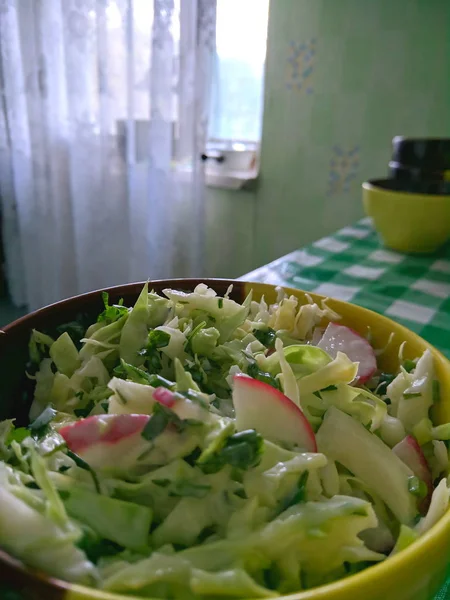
(409, 451)
(261, 407)
(164, 396)
(339, 338)
(102, 429)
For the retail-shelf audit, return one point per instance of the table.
(352, 265)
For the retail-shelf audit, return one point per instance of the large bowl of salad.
(193, 440)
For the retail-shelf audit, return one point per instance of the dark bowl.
(428, 154)
(407, 175)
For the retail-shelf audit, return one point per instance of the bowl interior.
(417, 188)
(16, 395)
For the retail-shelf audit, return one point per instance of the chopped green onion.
(158, 339)
(436, 391)
(409, 365)
(330, 388)
(220, 302)
(39, 426)
(254, 371)
(84, 412)
(242, 450)
(160, 418)
(161, 482)
(412, 395)
(84, 465)
(266, 337)
(417, 487)
(385, 380)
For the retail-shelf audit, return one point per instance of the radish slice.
(261, 407)
(339, 338)
(409, 451)
(164, 396)
(102, 429)
(107, 441)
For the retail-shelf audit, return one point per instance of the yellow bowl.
(405, 221)
(414, 574)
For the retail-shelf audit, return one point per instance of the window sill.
(231, 179)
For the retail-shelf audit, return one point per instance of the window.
(237, 95)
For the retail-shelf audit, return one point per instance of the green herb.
(220, 302)
(206, 533)
(39, 346)
(96, 548)
(412, 395)
(190, 489)
(417, 487)
(436, 391)
(111, 313)
(161, 482)
(266, 337)
(317, 394)
(121, 397)
(194, 397)
(75, 329)
(409, 365)
(192, 458)
(385, 380)
(17, 434)
(299, 496)
(272, 577)
(160, 419)
(242, 450)
(127, 371)
(39, 426)
(254, 371)
(58, 448)
(157, 339)
(84, 465)
(84, 412)
(105, 406)
(330, 388)
(417, 519)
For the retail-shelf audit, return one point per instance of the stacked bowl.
(411, 208)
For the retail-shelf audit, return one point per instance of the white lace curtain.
(103, 115)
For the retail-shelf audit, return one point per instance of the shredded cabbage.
(133, 477)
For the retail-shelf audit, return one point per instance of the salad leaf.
(65, 355)
(124, 523)
(39, 541)
(339, 370)
(135, 332)
(39, 345)
(364, 454)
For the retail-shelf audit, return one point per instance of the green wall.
(342, 78)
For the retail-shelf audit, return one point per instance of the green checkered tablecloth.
(352, 265)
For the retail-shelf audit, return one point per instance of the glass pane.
(237, 95)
